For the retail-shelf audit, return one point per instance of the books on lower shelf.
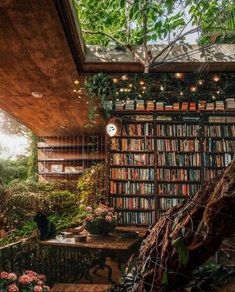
(137, 129)
(132, 174)
(167, 203)
(135, 159)
(125, 144)
(176, 130)
(133, 203)
(211, 173)
(217, 160)
(179, 160)
(219, 145)
(177, 189)
(136, 218)
(219, 131)
(178, 145)
(164, 174)
(132, 188)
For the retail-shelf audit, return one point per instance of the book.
(130, 105)
(184, 106)
(140, 105)
(150, 105)
(230, 103)
(160, 106)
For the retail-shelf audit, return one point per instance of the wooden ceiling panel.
(35, 56)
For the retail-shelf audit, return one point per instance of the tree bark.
(198, 225)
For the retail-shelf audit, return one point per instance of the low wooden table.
(110, 246)
(81, 288)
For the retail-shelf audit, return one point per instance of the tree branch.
(128, 46)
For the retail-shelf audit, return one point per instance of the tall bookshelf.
(161, 158)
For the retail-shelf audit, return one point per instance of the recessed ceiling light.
(37, 94)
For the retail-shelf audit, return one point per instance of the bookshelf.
(160, 158)
(66, 158)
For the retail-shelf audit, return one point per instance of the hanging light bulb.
(200, 82)
(193, 88)
(115, 80)
(179, 75)
(76, 82)
(181, 93)
(141, 82)
(161, 88)
(124, 77)
(216, 78)
(74, 90)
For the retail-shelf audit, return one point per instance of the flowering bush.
(28, 282)
(100, 221)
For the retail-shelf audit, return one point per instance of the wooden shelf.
(131, 166)
(132, 196)
(132, 151)
(178, 182)
(132, 180)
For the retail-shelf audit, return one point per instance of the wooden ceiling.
(35, 56)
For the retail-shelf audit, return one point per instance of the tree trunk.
(187, 235)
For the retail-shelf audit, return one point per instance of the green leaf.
(182, 250)
(165, 278)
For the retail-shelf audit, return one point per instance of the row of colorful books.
(137, 159)
(136, 129)
(178, 145)
(211, 173)
(132, 188)
(218, 105)
(136, 218)
(132, 173)
(219, 145)
(177, 130)
(214, 119)
(133, 203)
(125, 144)
(164, 174)
(217, 160)
(219, 130)
(177, 189)
(167, 203)
(175, 159)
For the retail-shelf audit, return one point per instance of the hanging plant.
(101, 86)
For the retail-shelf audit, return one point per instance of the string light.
(124, 77)
(76, 82)
(74, 90)
(115, 80)
(161, 88)
(200, 82)
(181, 93)
(141, 82)
(179, 75)
(193, 88)
(216, 78)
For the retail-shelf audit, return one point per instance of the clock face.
(111, 129)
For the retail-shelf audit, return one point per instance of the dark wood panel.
(35, 56)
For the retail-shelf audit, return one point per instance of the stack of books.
(119, 104)
(168, 107)
(184, 106)
(230, 103)
(202, 104)
(219, 105)
(130, 105)
(160, 106)
(192, 106)
(150, 105)
(140, 105)
(210, 106)
(176, 106)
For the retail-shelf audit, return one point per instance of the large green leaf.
(182, 250)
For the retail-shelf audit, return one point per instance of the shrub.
(63, 202)
(92, 188)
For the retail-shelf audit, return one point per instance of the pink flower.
(4, 275)
(89, 218)
(42, 277)
(31, 273)
(25, 279)
(12, 276)
(98, 211)
(13, 288)
(37, 289)
(108, 218)
(88, 209)
(40, 283)
(47, 288)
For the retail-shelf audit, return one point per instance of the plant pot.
(99, 228)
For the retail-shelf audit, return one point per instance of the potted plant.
(100, 221)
